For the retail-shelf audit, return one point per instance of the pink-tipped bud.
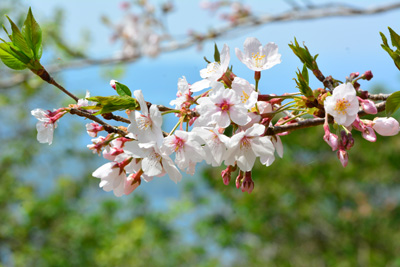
(248, 183)
(354, 75)
(226, 175)
(112, 84)
(132, 182)
(350, 142)
(358, 124)
(386, 126)
(343, 138)
(369, 134)
(368, 106)
(343, 157)
(330, 138)
(368, 75)
(239, 179)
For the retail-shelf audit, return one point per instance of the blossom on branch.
(342, 104)
(47, 123)
(257, 57)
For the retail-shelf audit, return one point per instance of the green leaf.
(217, 57)
(392, 103)
(32, 34)
(304, 55)
(122, 89)
(107, 104)
(302, 83)
(9, 58)
(395, 55)
(395, 38)
(304, 72)
(19, 40)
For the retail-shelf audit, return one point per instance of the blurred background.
(305, 210)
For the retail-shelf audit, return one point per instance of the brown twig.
(273, 130)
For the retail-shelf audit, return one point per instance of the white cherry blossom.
(221, 107)
(188, 150)
(112, 178)
(145, 125)
(215, 144)
(257, 57)
(154, 162)
(214, 71)
(47, 123)
(342, 104)
(246, 91)
(244, 147)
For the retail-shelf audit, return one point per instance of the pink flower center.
(224, 106)
(179, 143)
(341, 106)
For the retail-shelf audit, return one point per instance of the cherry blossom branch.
(107, 127)
(316, 12)
(307, 123)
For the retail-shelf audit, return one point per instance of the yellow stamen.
(258, 59)
(341, 106)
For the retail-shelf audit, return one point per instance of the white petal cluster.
(343, 104)
(257, 57)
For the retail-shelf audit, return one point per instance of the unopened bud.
(386, 126)
(368, 106)
(112, 84)
(369, 134)
(368, 75)
(343, 157)
(247, 184)
(239, 179)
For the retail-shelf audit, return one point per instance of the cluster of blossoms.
(141, 32)
(226, 124)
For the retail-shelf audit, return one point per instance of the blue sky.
(344, 45)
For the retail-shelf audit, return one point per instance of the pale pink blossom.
(257, 57)
(183, 95)
(145, 125)
(342, 104)
(245, 90)
(213, 72)
(47, 123)
(154, 162)
(113, 177)
(187, 150)
(214, 144)
(93, 128)
(244, 147)
(222, 107)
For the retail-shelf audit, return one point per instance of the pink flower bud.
(343, 157)
(247, 184)
(354, 75)
(239, 179)
(368, 75)
(226, 176)
(132, 182)
(386, 126)
(113, 85)
(330, 138)
(369, 134)
(368, 106)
